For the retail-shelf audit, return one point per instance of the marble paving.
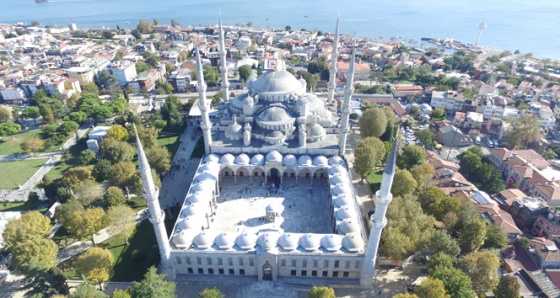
(242, 206)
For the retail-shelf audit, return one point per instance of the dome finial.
(234, 119)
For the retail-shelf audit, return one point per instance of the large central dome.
(280, 81)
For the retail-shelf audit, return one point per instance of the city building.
(450, 101)
(125, 72)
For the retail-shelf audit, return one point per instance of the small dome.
(234, 128)
(206, 176)
(288, 241)
(353, 242)
(348, 226)
(183, 239)
(203, 240)
(337, 179)
(304, 160)
(246, 241)
(204, 186)
(342, 200)
(257, 160)
(316, 130)
(274, 156)
(274, 114)
(225, 241)
(289, 160)
(336, 170)
(276, 135)
(336, 160)
(302, 101)
(310, 242)
(344, 213)
(191, 222)
(331, 242)
(267, 241)
(194, 209)
(227, 159)
(242, 159)
(209, 167)
(248, 100)
(198, 197)
(339, 190)
(320, 161)
(211, 158)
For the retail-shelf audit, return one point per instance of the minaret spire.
(348, 91)
(378, 220)
(205, 124)
(157, 216)
(333, 70)
(223, 63)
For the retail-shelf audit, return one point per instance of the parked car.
(490, 143)
(477, 140)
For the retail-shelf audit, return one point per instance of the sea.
(527, 26)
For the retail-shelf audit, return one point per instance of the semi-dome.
(183, 239)
(257, 160)
(344, 213)
(212, 158)
(288, 241)
(353, 242)
(289, 160)
(203, 240)
(310, 242)
(267, 241)
(277, 81)
(275, 115)
(320, 161)
(227, 159)
(276, 135)
(331, 242)
(316, 131)
(336, 160)
(304, 160)
(225, 240)
(242, 159)
(246, 241)
(348, 226)
(274, 156)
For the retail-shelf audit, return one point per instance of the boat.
(41, 1)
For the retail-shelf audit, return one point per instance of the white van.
(477, 140)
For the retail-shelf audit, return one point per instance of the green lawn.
(136, 203)
(15, 206)
(198, 149)
(15, 173)
(170, 141)
(12, 145)
(374, 180)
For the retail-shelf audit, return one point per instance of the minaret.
(205, 125)
(378, 220)
(346, 105)
(157, 215)
(223, 65)
(333, 70)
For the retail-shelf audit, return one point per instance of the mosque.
(273, 197)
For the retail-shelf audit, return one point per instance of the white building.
(450, 101)
(83, 74)
(125, 72)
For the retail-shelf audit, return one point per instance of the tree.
(175, 23)
(141, 66)
(508, 287)
(309, 78)
(76, 175)
(68, 127)
(115, 196)
(471, 233)
(90, 88)
(288, 28)
(121, 174)
(403, 183)
(373, 123)
(87, 157)
(414, 110)
(116, 151)
(469, 163)
(78, 117)
(482, 268)
(9, 129)
(87, 290)
(31, 112)
(523, 131)
(389, 114)
(159, 159)
(456, 283)
(145, 26)
(137, 185)
(368, 154)
(88, 192)
(405, 296)
(549, 154)
(321, 292)
(153, 286)
(431, 288)
(438, 113)
(95, 264)
(211, 293)
(121, 294)
(43, 281)
(148, 137)
(47, 113)
(33, 145)
(43, 249)
(5, 115)
(30, 225)
(411, 156)
(444, 243)
(408, 228)
(523, 243)
(65, 211)
(425, 136)
(118, 133)
(84, 224)
(244, 72)
(423, 174)
(121, 221)
(495, 238)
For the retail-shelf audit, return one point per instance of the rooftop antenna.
(482, 26)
